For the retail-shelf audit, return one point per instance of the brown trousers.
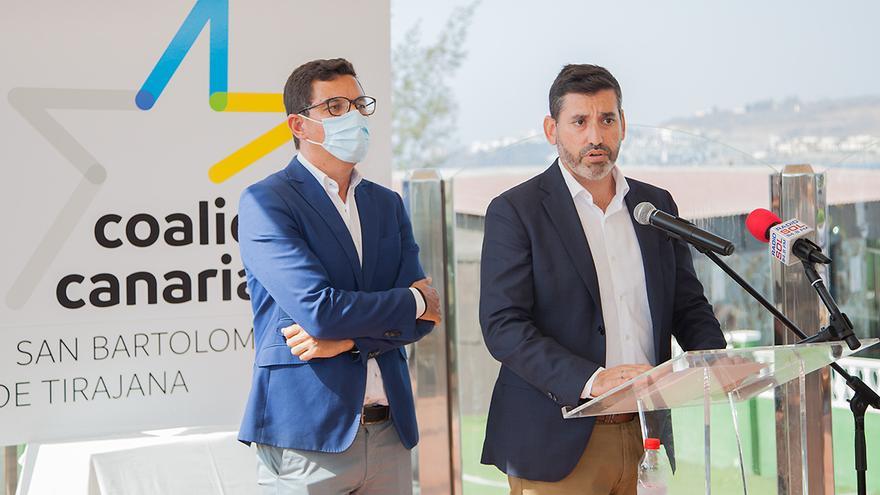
(608, 466)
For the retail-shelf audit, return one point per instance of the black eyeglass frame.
(371, 101)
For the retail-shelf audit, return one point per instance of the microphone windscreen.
(759, 222)
(642, 212)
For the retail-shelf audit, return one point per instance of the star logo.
(33, 104)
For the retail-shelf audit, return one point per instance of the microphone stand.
(839, 329)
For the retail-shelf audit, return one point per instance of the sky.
(672, 59)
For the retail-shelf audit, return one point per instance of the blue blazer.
(541, 317)
(302, 267)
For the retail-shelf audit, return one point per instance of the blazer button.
(392, 333)
(552, 397)
(601, 330)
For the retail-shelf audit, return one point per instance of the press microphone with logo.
(788, 242)
(647, 214)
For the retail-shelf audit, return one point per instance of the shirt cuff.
(421, 306)
(588, 388)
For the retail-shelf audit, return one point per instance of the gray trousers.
(376, 463)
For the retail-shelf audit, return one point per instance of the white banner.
(129, 130)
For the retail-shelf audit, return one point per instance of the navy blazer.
(302, 267)
(542, 319)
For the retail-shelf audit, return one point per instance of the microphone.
(788, 242)
(647, 214)
(788, 245)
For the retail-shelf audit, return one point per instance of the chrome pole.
(799, 192)
(433, 364)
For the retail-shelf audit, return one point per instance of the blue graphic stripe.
(215, 11)
(219, 63)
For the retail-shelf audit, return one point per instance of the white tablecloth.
(185, 464)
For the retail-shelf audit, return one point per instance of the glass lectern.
(703, 378)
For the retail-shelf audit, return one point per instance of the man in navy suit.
(577, 298)
(337, 291)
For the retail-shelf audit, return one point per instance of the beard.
(584, 169)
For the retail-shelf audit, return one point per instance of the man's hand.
(306, 347)
(612, 377)
(432, 300)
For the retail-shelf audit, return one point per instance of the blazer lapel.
(369, 216)
(649, 244)
(560, 207)
(315, 195)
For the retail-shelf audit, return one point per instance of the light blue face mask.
(346, 137)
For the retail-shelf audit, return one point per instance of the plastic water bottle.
(654, 472)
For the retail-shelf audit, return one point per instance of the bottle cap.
(652, 443)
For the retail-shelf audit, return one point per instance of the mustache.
(587, 149)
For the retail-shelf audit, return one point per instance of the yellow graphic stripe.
(247, 102)
(249, 153)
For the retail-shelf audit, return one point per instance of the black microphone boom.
(647, 214)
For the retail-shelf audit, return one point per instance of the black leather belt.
(375, 414)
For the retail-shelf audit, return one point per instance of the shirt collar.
(621, 186)
(326, 182)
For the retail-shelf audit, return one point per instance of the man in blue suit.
(337, 291)
(577, 298)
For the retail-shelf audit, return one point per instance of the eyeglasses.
(340, 105)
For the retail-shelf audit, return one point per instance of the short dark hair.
(581, 79)
(298, 89)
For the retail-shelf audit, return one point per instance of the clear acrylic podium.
(703, 378)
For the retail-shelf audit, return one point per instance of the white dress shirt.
(375, 392)
(629, 335)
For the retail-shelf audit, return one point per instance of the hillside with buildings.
(827, 133)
